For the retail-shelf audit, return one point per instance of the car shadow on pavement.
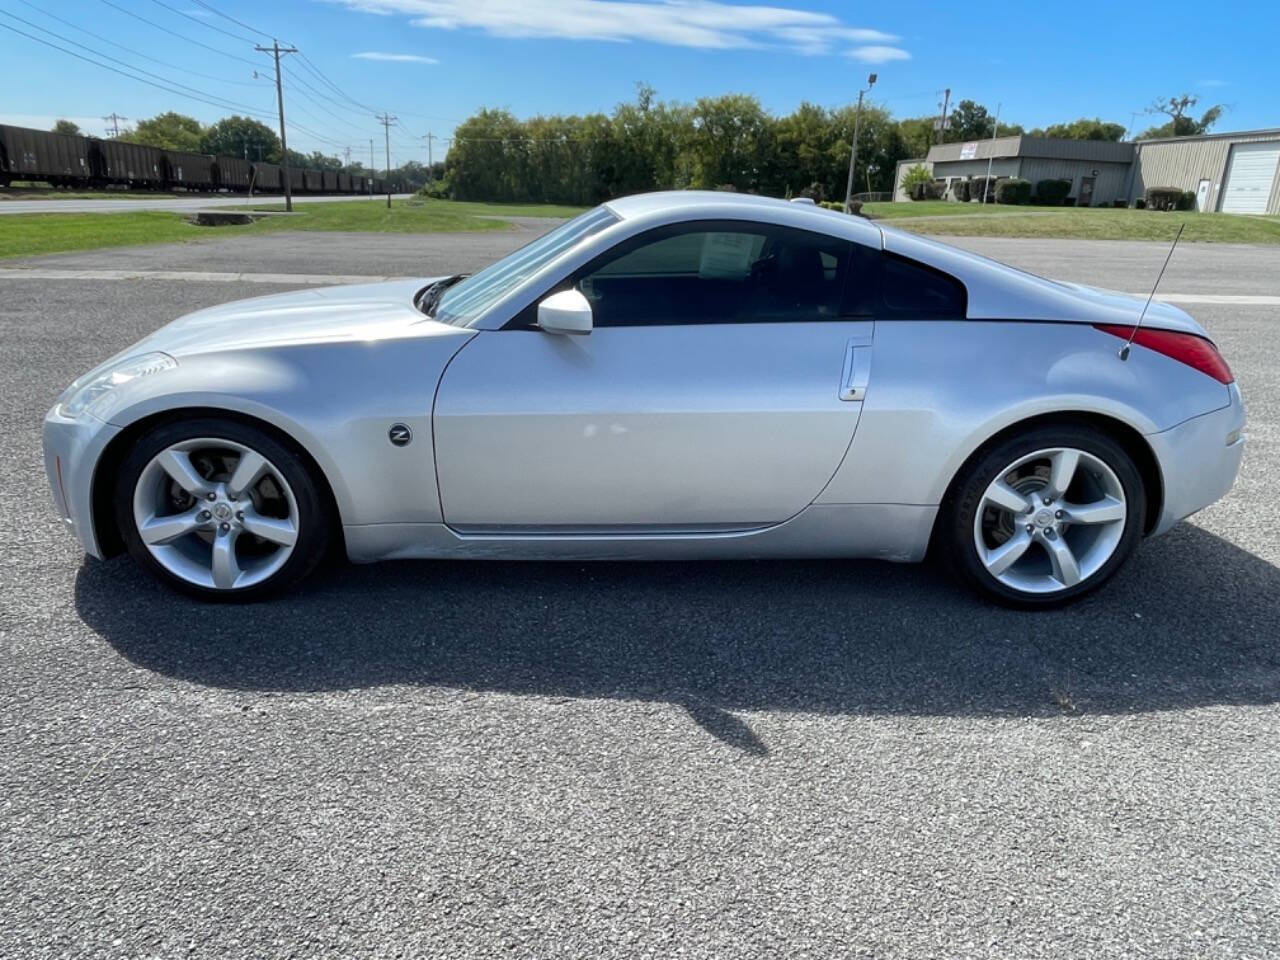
(1192, 621)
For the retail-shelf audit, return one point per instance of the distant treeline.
(722, 142)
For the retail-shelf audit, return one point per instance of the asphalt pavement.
(172, 204)
(801, 759)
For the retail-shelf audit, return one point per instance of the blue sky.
(432, 62)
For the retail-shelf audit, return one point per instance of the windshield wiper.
(431, 298)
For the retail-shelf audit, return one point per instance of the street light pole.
(853, 153)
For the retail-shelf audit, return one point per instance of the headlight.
(89, 393)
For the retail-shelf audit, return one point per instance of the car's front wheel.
(221, 509)
(1044, 518)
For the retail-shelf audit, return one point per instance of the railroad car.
(266, 177)
(232, 174)
(129, 164)
(193, 171)
(60, 159)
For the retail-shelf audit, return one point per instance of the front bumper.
(71, 452)
(1199, 460)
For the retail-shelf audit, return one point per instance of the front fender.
(336, 400)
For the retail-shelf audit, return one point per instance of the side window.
(717, 272)
(911, 290)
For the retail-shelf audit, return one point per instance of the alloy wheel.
(1050, 520)
(216, 513)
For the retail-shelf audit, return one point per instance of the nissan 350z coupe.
(667, 376)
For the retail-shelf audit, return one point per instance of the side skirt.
(883, 531)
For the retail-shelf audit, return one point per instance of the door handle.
(857, 373)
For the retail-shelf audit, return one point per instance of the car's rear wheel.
(221, 509)
(1044, 518)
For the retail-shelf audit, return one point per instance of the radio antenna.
(1124, 351)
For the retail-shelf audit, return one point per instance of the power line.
(333, 86)
(227, 16)
(180, 36)
(136, 53)
(128, 66)
(203, 23)
(96, 63)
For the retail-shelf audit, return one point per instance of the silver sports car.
(673, 375)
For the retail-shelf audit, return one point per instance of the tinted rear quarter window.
(913, 290)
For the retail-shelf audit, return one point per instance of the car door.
(719, 389)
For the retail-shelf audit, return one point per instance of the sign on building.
(969, 150)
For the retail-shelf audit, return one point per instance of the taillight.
(1186, 348)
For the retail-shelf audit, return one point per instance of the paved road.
(172, 204)
(714, 760)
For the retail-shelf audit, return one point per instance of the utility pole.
(275, 50)
(114, 119)
(853, 154)
(429, 137)
(387, 120)
(942, 120)
(372, 168)
(991, 156)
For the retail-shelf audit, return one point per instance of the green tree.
(731, 142)
(169, 131)
(237, 136)
(918, 134)
(1082, 129)
(67, 127)
(315, 161)
(1180, 124)
(972, 121)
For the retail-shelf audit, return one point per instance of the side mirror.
(565, 312)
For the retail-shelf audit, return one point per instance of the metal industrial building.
(1229, 172)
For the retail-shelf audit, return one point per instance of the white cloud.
(704, 24)
(877, 54)
(393, 57)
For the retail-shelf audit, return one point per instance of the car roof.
(713, 204)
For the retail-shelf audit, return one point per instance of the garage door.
(1250, 176)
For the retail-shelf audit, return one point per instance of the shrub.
(914, 177)
(930, 190)
(815, 192)
(435, 189)
(976, 188)
(1013, 190)
(1068, 201)
(960, 190)
(1119, 204)
(1187, 201)
(1052, 192)
(1140, 204)
(1162, 198)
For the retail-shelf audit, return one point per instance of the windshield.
(467, 300)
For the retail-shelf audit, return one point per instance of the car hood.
(372, 311)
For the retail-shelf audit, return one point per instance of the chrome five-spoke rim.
(1050, 520)
(216, 513)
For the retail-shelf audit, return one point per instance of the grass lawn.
(29, 235)
(1089, 223)
(372, 216)
(939, 208)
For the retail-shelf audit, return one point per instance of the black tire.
(315, 514)
(955, 542)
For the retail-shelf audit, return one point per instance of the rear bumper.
(1199, 460)
(71, 451)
